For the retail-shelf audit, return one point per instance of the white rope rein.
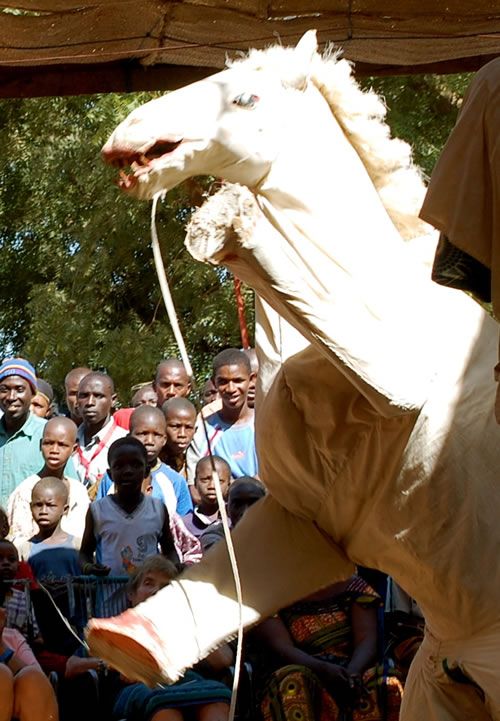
(174, 323)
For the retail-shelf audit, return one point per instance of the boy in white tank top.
(126, 527)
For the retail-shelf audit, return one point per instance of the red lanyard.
(86, 463)
(212, 439)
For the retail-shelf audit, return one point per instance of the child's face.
(206, 485)
(242, 496)
(232, 383)
(57, 445)
(47, 507)
(128, 470)
(152, 582)
(9, 561)
(151, 432)
(180, 430)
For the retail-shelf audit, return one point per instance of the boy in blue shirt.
(148, 425)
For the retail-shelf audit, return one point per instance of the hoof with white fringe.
(130, 644)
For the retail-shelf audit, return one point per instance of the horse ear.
(307, 45)
(305, 50)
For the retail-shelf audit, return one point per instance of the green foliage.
(77, 281)
(422, 109)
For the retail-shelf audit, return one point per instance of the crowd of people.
(126, 496)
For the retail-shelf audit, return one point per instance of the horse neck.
(319, 195)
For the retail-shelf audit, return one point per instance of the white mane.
(361, 115)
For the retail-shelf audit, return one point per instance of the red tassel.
(240, 305)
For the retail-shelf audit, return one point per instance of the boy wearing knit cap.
(20, 430)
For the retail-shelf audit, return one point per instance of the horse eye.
(246, 100)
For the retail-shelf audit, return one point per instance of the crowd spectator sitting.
(25, 692)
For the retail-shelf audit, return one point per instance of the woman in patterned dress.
(328, 642)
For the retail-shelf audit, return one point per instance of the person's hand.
(356, 685)
(339, 682)
(95, 569)
(3, 620)
(75, 666)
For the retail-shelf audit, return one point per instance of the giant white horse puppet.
(376, 437)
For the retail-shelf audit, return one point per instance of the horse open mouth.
(133, 164)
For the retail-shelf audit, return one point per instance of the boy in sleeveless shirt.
(126, 527)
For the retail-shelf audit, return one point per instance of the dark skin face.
(127, 469)
(40, 406)
(180, 430)
(73, 380)
(57, 444)
(206, 486)
(171, 381)
(95, 401)
(47, 507)
(151, 432)
(232, 383)
(9, 561)
(145, 397)
(241, 497)
(208, 393)
(15, 399)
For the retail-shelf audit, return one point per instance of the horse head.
(225, 125)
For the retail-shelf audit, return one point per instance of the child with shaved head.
(52, 552)
(180, 415)
(57, 444)
(148, 425)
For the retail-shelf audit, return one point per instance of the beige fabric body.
(414, 493)
(463, 199)
(377, 440)
(431, 694)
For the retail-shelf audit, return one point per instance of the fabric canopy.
(50, 47)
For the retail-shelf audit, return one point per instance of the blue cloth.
(138, 702)
(20, 455)
(196, 522)
(233, 442)
(181, 490)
